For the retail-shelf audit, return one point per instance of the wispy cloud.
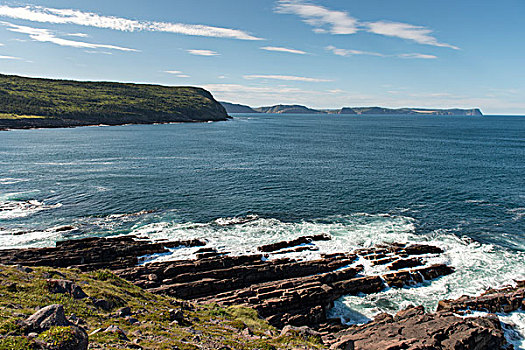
(347, 52)
(177, 73)
(287, 78)
(78, 35)
(420, 35)
(45, 35)
(203, 52)
(322, 19)
(283, 49)
(417, 55)
(71, 16)
(325, 20)
(9, 58)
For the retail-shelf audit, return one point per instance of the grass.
(104, 102)
(211, 326)
(15, 116)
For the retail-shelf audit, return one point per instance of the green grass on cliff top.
(20, 96)
(205, 326)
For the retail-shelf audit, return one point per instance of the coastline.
(293, 296)
(31, 126)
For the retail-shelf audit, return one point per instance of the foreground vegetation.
(86, 103)
(149, 325)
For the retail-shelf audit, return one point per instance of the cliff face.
(408, 111)
(298, 109)
(290, 109)
(31, 102)
(237, 108)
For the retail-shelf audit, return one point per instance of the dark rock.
(102, 304)
(123, 312)
(89, 254)
(176, 315)
(24, 269)
(64, 228)
(418, 249)
(301, 240)
(65, 287)
(404, 263)
(78, 340)
(47, 317)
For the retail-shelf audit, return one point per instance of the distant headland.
(48, 103)
(298, 109)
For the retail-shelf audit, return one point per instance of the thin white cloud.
(325, 20)
(321, 18)
(420, 35)
(203, 52)
(9, 58)
(177, 73)
(347, 52)
(45, 35)
(1, 44)
(78, 35)
(417, 55)
(98, 52)
(71, 16)
(283, 49)
(287, 78)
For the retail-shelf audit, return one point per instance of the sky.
(319, 53)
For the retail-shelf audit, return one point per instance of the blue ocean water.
(454, 181)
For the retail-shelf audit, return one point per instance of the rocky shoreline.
(294, 296)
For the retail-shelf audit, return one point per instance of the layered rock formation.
(413, 329)
(294, 293)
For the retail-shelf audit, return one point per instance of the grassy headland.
(33, 102)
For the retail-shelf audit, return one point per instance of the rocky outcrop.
(92, 253)
(413, 329)
(65, 287)
(284, 291)
(52, 317)
(295, 242)
(506, 300)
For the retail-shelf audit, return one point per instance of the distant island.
(298, 109)
(49, 103)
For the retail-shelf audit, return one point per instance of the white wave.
(14, 238)
(243, 237)
(518, 213)
(19, 209)
(11, 180)
(514, 326)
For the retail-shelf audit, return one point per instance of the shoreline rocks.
(291, 293)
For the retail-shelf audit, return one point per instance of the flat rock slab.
(413, 329)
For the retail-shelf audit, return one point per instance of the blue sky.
(321, 53)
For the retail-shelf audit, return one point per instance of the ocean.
(456, 182)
